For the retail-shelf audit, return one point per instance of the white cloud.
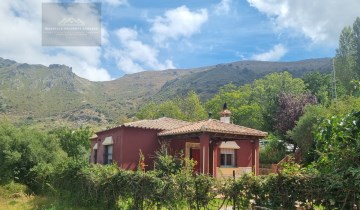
(110, 2)
(178, 22)
(320, 20)
(277, 52)
(135, 56)
(116, 2)
(223, 7)
(21, 41)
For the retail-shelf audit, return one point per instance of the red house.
(219, 147)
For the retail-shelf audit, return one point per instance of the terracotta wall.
(135, 139)
(128, 142)
(244, 154)
(127, 145)
(177, 146)
(115, 133)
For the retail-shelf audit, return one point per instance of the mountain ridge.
(34, 93)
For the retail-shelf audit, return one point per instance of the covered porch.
(220, 149)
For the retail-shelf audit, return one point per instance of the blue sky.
(143, 35)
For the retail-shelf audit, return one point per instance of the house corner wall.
(257, 157)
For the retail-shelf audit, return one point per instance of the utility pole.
(334, 95)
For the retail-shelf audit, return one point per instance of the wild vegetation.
(305, 112)
(49, 97)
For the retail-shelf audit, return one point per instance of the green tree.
(345, 60)
(273, 152)
(245, 111)
(23, 149)
(153, 110)
(76, 143)
(338, 142)
(338, 146)
(291, 108)
(319, 85)
(304, 130)
(255, 105)
(356, 40)
(192, 107)
(189, 108)
(266, 92)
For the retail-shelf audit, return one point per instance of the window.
(95, 156)
(227, 157)
(108, 154)
(95, 148)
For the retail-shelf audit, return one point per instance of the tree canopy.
(347, 60)
(75, 142)
(189, 108)
(23, 149)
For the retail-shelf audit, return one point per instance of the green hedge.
(107, 187)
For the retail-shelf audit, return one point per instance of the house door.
(195, 155)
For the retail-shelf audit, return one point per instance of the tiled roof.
(94, 136)
(163, 123)
(213, 126)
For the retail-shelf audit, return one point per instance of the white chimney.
(225, 114)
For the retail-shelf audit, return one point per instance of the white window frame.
(108, 154)
(227, 152)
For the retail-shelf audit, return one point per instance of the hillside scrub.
(23, 150)
(330, 181)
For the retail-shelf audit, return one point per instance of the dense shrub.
(22, 150)
(108, 186)
(36, 159)
(75, 143)
(273, 151)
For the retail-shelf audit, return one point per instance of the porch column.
(253, 157)
(215, 159)
(204, 153)
(257, 161)
(211, 159)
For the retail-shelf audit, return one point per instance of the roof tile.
(213, 126)
(163, 123)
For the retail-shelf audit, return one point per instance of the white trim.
(229, 145)
(108, 141)
(95, 146)
(225, 119)
(227, 152)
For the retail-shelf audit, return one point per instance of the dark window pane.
(222, 159)
(228, 160)
(108, 154)
(95, 155)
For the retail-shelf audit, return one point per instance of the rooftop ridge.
(213, 125)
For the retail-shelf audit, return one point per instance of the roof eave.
(214, 132)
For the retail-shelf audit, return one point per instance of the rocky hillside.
(54, 95)
(208, 82)
(40, 94)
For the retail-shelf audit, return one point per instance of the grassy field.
(31, 202)
(16, 197)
